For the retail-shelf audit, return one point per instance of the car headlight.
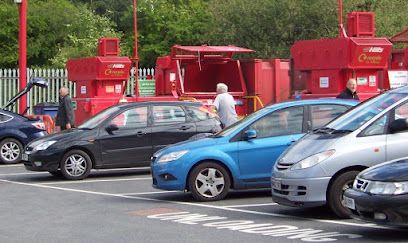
(387, 188)
(44, 145)
(313, 160)
(171, 156)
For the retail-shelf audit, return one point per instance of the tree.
(272, 26)
(163, 23)
(57, 30)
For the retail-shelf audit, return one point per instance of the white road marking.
(24, 173)
(91, 181)
(124, 169)
(250, 205)
(46, 172)
(363, 225)
(146, 193)
(13, 165)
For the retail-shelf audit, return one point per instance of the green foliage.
(271, 26)
(57, 30)
(163, 23)
(60, 29)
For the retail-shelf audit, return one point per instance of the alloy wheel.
(210, 182)
(75, 165)
(10, 151)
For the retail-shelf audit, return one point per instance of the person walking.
(351, 90)
(225, 105)
(65, 116)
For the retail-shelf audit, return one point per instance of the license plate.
(24, 157)
(276, 185)
(349, 203)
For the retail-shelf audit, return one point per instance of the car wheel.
(209, 182)
(336, 191)
(75, 165)
(56, 173)
(10, 151)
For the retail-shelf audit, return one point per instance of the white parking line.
(363, 225)
(146, 193)
(46, 172)
(91, 181)
(250, 205)
(24, 173)
(124, 169)
(13, 165)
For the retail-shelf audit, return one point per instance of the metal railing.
(9, 84)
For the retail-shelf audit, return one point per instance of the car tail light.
(39, 125)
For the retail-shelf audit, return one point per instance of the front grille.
(291, 190)
(360, 184)
(283, 166)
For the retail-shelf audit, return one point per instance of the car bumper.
(42, 161)
(308, 192)
(382, 209)
(167, 176)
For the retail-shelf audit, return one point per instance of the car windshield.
(227, 131)
(355, 118)
(98, 118)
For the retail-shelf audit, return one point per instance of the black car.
(121, 136)
(380, 194)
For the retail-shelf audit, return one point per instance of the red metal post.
(22, 49)
(342, 32)
(135, 57)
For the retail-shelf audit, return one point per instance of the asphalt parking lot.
(121, 206)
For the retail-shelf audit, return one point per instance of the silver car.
(318, 168)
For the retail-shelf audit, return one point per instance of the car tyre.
(56, 173)
(336, 191)
(209, 181)
(10, 151)
(75, 165)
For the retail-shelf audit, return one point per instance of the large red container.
(267, 79)
(327, 64)
(100, 83)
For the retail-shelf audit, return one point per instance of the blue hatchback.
(16, 131)
(242, 155)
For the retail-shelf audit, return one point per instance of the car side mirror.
(249, 134)
(111, 128)
(398, 125)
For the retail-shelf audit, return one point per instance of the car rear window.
(5, 118)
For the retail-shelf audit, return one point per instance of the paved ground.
(121, 206)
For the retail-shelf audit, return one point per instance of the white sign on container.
(324, 82)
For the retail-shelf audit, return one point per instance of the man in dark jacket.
(65, 117)
(351, 90)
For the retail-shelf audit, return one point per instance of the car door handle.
(140, 134)
(290, 143)
(185, 128)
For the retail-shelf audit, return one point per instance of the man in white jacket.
(225, 105)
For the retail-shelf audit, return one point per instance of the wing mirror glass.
(111, 128)
(250, 134)
(398, 125)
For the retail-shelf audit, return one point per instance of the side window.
(4, 118)
(377, 128)
(132, 118)
(168, 115)
(323, 114)
(401, 112)
(198, 113)
(282, 122)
